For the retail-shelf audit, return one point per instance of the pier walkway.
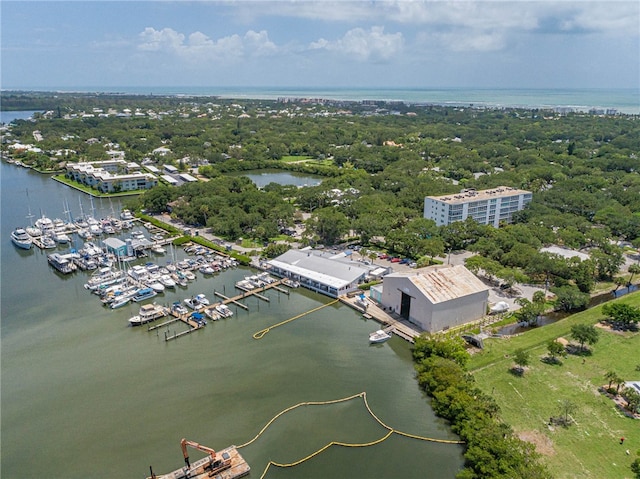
(401, 328)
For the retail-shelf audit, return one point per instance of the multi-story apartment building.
(489, 207)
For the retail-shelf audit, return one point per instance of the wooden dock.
(195, 325)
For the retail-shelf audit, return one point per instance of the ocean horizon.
(619, 100)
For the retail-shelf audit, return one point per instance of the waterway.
(84, 395)
(262, 178)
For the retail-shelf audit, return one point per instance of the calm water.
(83, 395)
(262, 178)
(582, 99)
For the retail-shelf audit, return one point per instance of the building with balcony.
(488, 207)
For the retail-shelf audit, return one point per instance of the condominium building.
(489, 207)
(110, 176)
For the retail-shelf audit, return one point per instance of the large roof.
(444, 283)
(323, 269)
(469, 195)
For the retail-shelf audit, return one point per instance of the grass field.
(590, 448)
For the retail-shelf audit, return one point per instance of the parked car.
(395, 260)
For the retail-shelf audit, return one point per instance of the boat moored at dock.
(148, 313)
(21, 238)
(61, 263)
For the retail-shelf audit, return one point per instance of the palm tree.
(633, 269)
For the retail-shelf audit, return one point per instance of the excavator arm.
(184, 443)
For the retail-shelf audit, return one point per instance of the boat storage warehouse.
(319, 272)
(436, 298)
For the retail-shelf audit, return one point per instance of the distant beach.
(625, 101)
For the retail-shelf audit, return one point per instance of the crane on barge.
(214, 466)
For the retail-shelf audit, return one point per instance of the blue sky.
(293, 43)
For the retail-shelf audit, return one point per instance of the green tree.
(635, 468)
(328, 225)
(555, 349)
(585, 334)
(570, 298)
(622, 315)
(522, 359)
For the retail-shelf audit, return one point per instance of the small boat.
(167, 281)
(212, 313)
(33, 231)
(61, 263)
(178, 308)
(224, 310)
(206, 269)
(379, 336)
(156, 285)
(197, 301)
(21, 238)
(157, 249)
(143, 294)
(120, 300)
(499, 307)
(59, 236)
(126, 215)
(47, 242)
(148, 313)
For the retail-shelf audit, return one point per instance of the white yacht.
(148, 313)
(197, 301)
(21, 239)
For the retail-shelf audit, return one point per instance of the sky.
(316, 44)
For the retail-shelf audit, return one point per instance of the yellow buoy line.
(363, 395)
(262, 332)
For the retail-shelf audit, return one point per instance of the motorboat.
(156, 285)
(103, 277)
(379, 336)
(499, 307)
(148, 313)
(45, 225)
(143, 294)
(121, 299)
(21, 238)
(59, 236)
(61, 263)
(33, 231)
(212, 313)
(206, 269)
(47, 242)
(178, 308)
(167, 281)
(126, 215)
(157, 249)
(224, 310)
(197, 301)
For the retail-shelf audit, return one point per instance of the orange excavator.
(214, 466)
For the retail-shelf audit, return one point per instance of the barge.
(225, 464)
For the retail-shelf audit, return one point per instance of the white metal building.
(320, 272)
(435, 298)
(488, 207)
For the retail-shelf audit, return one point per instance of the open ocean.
(625, 101)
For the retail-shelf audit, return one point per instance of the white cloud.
(373, 44)
(198, 46)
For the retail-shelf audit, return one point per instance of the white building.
(488, 207)
(110, 176)
(435, 298)
(324, 273)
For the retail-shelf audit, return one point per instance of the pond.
(262, 178)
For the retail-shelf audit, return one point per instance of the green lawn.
(591, 447)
